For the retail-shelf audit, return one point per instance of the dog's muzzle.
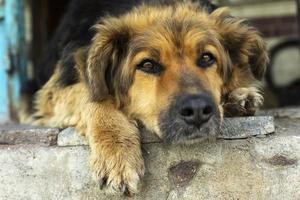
(191, 116)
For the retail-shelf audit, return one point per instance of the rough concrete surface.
(239, 128)
(68, 137)
(251, 168)
(24, 134)
(292, 113)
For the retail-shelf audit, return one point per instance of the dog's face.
(178, 78)
(169, 67)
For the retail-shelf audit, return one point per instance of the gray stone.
(231, 128)
(292, 113)
(253, 168)
(69, 137)
(250, 168)
(245, 127)
(12, 134)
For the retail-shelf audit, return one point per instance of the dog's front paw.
(243, 102)
(119, 171)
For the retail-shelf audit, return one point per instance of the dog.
(176, 67)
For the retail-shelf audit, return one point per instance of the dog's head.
(170, 66)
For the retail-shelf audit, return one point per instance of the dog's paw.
(243, 102)
(119, 172)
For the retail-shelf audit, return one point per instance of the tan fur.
(106, 112)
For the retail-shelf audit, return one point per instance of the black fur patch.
(68, 74)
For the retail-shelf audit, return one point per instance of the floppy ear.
(245, 46)
(105, 55)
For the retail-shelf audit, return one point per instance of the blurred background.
(27, 25)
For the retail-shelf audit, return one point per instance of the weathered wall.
(261, 167)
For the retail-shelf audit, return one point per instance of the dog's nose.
(196, 109)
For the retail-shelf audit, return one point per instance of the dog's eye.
(206, 60)
(150, 67)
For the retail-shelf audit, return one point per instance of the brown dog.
(175, 68)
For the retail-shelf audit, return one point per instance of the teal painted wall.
(4, 65)
(12, 56)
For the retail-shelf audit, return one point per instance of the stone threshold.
(231, 128)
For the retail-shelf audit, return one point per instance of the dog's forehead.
(173, 34)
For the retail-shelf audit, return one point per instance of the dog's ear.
(105, 56)
(245, 46)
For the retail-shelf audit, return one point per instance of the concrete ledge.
(23, 134)
(231, 128)
(251, 168)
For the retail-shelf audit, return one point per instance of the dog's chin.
(177, 131)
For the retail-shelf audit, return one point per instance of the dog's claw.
(123, 188)
(102, 183)
(126, 191)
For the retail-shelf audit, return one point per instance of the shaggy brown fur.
(113, 93)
